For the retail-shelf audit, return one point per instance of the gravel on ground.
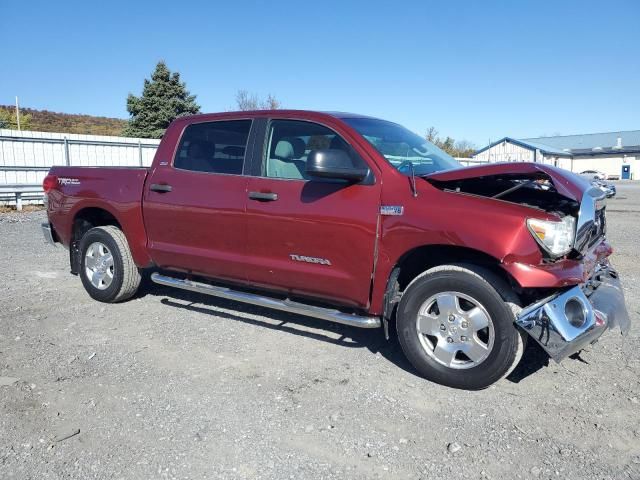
(179, 385)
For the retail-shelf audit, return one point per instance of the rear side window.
(214, 147)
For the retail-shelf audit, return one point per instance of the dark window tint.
(289, 143)
(214, 147)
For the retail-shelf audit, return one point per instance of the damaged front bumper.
(570, 320)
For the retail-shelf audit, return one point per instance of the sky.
(476, 70)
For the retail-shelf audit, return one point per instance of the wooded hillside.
(46, 121)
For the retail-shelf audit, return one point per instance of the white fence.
(25, 158)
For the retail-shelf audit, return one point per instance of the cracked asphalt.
(178, 385)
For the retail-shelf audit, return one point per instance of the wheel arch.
(85, 219)
(97, 216)
(419, 259)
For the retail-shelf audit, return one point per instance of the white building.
(615, 153)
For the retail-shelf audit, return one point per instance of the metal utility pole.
(18, 113)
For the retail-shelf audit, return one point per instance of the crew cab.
(355, 220)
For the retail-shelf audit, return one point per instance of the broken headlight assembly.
(556, 237)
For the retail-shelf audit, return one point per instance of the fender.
(493, 228)
(129, 217)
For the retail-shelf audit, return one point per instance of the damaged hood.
(566, 183)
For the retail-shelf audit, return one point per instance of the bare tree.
(271, 103)
(246, 101)
(464, 148)
(455, 148)
(432, 134)
(251, 101)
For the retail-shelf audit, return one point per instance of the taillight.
(49, 183)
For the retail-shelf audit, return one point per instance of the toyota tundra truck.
(354, 220)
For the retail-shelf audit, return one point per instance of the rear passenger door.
(194, 204)
(309, 237)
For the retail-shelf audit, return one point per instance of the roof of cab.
(267, 113)
(349, 115)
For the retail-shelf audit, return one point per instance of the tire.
(439, 322)
(107, 270)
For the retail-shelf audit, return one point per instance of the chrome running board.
(284, 305)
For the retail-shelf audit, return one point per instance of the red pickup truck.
(354, 220)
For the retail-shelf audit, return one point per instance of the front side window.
(290, 142)
(402, 148)
(214, 147)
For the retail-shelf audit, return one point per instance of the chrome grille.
(591, 225)
(599, 228)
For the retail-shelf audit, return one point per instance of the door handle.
(263, 196)
(160, 187)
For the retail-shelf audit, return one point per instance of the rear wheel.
(107, 269)
(456, 329)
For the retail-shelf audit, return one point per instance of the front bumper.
(603, 307)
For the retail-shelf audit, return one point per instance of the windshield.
(403, 148)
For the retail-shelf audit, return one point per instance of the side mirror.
(333, 163)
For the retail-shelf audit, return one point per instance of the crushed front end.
(572, 295)
(574, 317)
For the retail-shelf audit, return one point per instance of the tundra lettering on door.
(302, 258)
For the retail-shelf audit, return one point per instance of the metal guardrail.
(20, 168)
(18, 190)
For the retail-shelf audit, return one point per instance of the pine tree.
(9, 120)
(163, 99)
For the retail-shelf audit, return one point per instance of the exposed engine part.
(532, 190)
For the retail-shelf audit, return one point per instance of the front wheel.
(456, 329)
(107, 269)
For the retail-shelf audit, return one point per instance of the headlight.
(555, 237)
